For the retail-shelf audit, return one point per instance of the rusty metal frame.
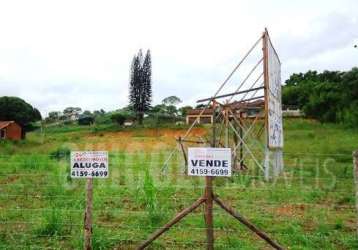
(243, 137)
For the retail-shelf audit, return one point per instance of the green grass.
(310, 206)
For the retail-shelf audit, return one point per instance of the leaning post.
(88, 215)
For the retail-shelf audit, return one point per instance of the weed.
(150, 199)
(53, 223)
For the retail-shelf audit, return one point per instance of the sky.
(56, 54)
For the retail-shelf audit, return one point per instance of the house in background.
(291, 111)
(246, 109)
(205, 118)
(10, 130)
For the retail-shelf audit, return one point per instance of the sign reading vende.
(89, 164)
(209, 161)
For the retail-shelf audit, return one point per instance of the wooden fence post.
(355, 172)
(88, 215)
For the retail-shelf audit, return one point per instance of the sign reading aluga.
(275, 128)
(209, 161)
(89, 164)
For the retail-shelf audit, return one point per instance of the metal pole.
(226, 127)
(266, 91)
(88, 215)
(241, 142)
(232, 94)
(183, 150)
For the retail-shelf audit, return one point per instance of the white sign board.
(209, 161)
(89, 164)
(275, 128)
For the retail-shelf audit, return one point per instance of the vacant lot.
(310, 206)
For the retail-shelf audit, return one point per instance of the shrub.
(350, 116)
(103, 119)
(118, 118)
(86, 120)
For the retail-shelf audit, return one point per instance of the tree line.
(330, 96)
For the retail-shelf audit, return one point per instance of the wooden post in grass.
(209, 220)
(96, 163)
(88, 215)
(355, 172)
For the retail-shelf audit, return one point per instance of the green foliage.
(299, 210)
(349, 115)
(99, 112)
(140, 87)
(171, 100)
(71, 110)
(99, 239)
(167, 113)
(87, 113)
(151, 199)
(86, 120)
(183, 111)
(200, 106)
(118, 118)
(330, 96)
(32, 162)
(160, 109)
(16, 109)
(7, 147)
(103, 119)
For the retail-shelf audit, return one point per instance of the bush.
(329, 96)
(350, 116)
(85, 120)
(103, 119)
(118, 118)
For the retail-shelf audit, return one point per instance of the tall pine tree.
(140, 89)
(147, 81)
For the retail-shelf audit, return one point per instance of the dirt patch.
(10, 179)
(291, 210)
(140, 140)
(155, 133)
